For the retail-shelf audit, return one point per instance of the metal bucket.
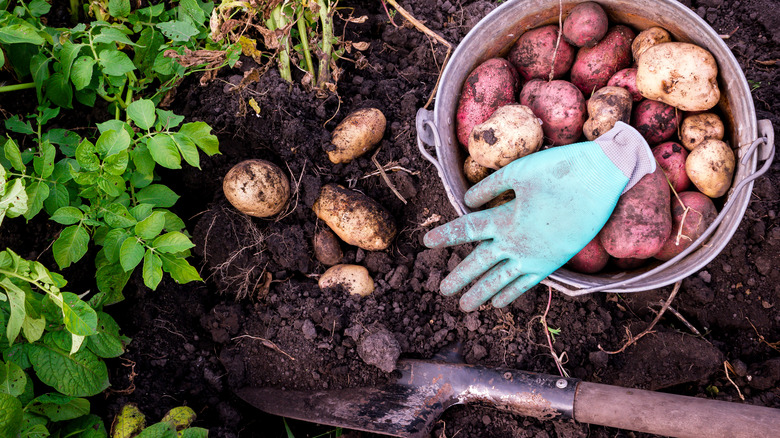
(752, 140)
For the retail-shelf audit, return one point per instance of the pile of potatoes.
(601, 72)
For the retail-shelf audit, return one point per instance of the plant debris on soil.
(195, 344)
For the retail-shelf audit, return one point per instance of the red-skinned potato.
(690, 219)
(607, 106)
(711, 167)
(626, 78)
(512, 132)
(591, 259)
(561, 107)
(656, 121)
(593, 66)
(671, 157)
(491, 85)
(585, 25)
(699, 127)
(326, 247)
(257, 187)
(641, 221)
(649, 38)
(532, 54)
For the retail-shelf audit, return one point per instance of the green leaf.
(119, 8)
(164, 151)
(44, 163)
(67, 55)
(11, 415)
(116, 164)
(130, 254)
(16, 300)
(67, 215)
(81, 374)
(115, 63)
(39, 8)
(150, 227)
(163, 65)
(179, 269)
(180, 417)
(39, 70)
(58, 90)
(58, 407)
(157, 195)
(200, 133)
(194, 432)
(33, 327)
(112, 242)
(112, 142)
(81, 73)
(14, 201)
(178, 30)
(86, 156)
(15, 124)
(79, 318)
(17, 354)
(158, 430)
(172, 242)
(21, 32)
(148, 47)
(115, 125)
(173, 222)
(14, 155)
(167, 119)
(37, 192)
(107, 342)
(190, 9)
(141, 212)
(152, 269)
(111, 279)
(58, 198)
(12, 379)
(113, 35)
(117, 216)
(71, 246)
(188, 150)
(47, 114)
(112, 185)
(142, 113)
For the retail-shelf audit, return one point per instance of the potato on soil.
(591, 259)
(699, 127)
(532, 54)
(649, 38)
(513, 131)
(585, 25)
(711, 167)
(671, 157)
(656, 121)
(357, 134)
(561, 107)
(357, 219)
(626, 78)
(593, 66)
(354, 279)
(326, 247)
(641, 221)
(257, 187)
(491, 85)
(474, 172)
(689, 221)
(682, 75)
(607, 106)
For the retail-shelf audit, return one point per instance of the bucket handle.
(764, 146)
(428, 134)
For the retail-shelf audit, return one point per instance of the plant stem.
(278, 21)
(304, 36)
(327, 38)
(17, 87)
(74, 11)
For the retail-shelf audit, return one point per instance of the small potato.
(257, 187)
(699, 127)
(474, 172)
(656, 121)
(491, 85)
(532, 54)
(593, 66)
(326, 247)
(682, 75)
(649, 38)
(358, 133)
(711, 167)
(585, 25)
(591, 259)
(671, 157)
(513, 131)
(607, 106)
(357, 219)
(689, 221)
(354, 279)
(561, 107)
(626, 78)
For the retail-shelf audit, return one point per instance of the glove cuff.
(628, 151)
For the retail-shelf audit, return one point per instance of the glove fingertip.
(432, 239)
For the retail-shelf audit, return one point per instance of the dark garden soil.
(195, 344)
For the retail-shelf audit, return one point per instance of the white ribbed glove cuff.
(629, 151)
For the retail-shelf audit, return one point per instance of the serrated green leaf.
(112, 142)
(16, 300)
(178, 30)
(79, 318)
(157, 195)
(142, 113)
(67, 215)
(150, 227)
(116, 164)
(20, 32)
(117, 216)
(10, 415)
(152, 270)
(115, 63)
(107, 342)
(172, 242)
(167, 119)
(81, 73)
(44, 162)
(179, 269)
(71, 246)
(58, 407)
(58, 90)
(12, 379)
(164, 151)
(37, 192)
(15, 124)
(200, 133)
(81, 374)
(14, 155)
(130, 254)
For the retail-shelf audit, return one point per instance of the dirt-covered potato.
(591, 259)
(593, 66)
(671, 157)
(699, 127)
(357, 134)
(357, 219)
(649, 38)
(513, 131)
(682, 75)
(532, 54)
(692, 214)
(257, 187)
(585, 25)
(561, 107)
(326, 247)
(354, 279)
(656, 121)
(626, 78)
(474, 172)
(711, 167)
(605, 108)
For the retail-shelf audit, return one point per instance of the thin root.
(385, 177)
(726, 366)
(266, 343)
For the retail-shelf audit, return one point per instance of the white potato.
(710, 167)
(513, 131)
(699, 127)
(649, 38)
(358, 133)
(257, 187)
(354, 279)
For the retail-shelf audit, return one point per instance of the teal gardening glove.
(563, 197)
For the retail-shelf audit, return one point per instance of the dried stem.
(556, 358)
(558, 41)
(385, 177)
(726, 366)
(266, 343)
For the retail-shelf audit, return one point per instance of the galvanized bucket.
(753, 140)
